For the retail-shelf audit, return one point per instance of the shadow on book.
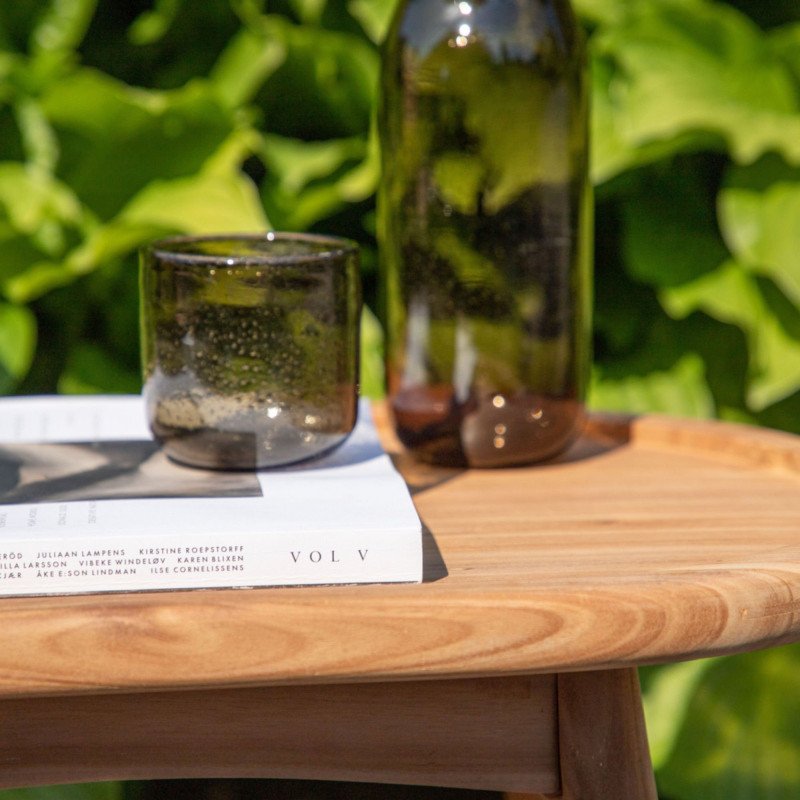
(118, 470)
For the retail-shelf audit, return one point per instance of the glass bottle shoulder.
(525, 31)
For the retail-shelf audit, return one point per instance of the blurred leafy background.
(122, 121)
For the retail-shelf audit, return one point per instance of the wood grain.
(652, 540)
(481, 734)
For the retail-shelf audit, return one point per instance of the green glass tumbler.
(250, 347)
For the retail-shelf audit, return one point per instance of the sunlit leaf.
(673, 77)
(615, 12)
(374, 16)
(740, 737)
(116, 139)
(361, 182)
(670, 370)
(680, 390)
(38, 278)
(43, 219)
(31, 198)
(613, 150)
(38, 138)
(205, 203)
(732, 294)
(309, 11)
(63, 25)
(667, 693)
(372, 371)
(151, 25)
(248, 60)
(307, 181)
(296, 164)
(17, 344)
(760, 218)
(602, 11)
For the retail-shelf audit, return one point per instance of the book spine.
(83, 564)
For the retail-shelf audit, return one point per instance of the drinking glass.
(250, 347)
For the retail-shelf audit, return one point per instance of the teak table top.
(652, 540)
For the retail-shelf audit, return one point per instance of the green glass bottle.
(485, 229)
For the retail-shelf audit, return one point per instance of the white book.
(90, 503)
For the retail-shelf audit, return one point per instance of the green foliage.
(103, 149)
(124, 121)
(83, 791)
(696, 124)
(726, 728)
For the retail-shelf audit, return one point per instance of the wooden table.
(512, 667)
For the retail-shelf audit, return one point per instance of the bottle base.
(497, 430)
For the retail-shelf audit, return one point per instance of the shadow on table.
(603, 434)
(433, 566)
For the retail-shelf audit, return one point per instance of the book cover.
(90, 503)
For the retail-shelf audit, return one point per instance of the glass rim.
(331, 247)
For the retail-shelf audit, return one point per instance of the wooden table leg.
(602, 737)
(603, 748)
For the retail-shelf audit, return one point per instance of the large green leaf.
(614, 149)
(760, 219)
(31, 200)
(40, 219)
(732, 294)
(208, 202)
(674, 63)
(669, 227)
(250, 58)
(667, 693)
(680, 390)
(374, 16)
(307, 181)
(740, 739)
(17, 345)
(116, 139)
(694, 368)
(326, 86)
